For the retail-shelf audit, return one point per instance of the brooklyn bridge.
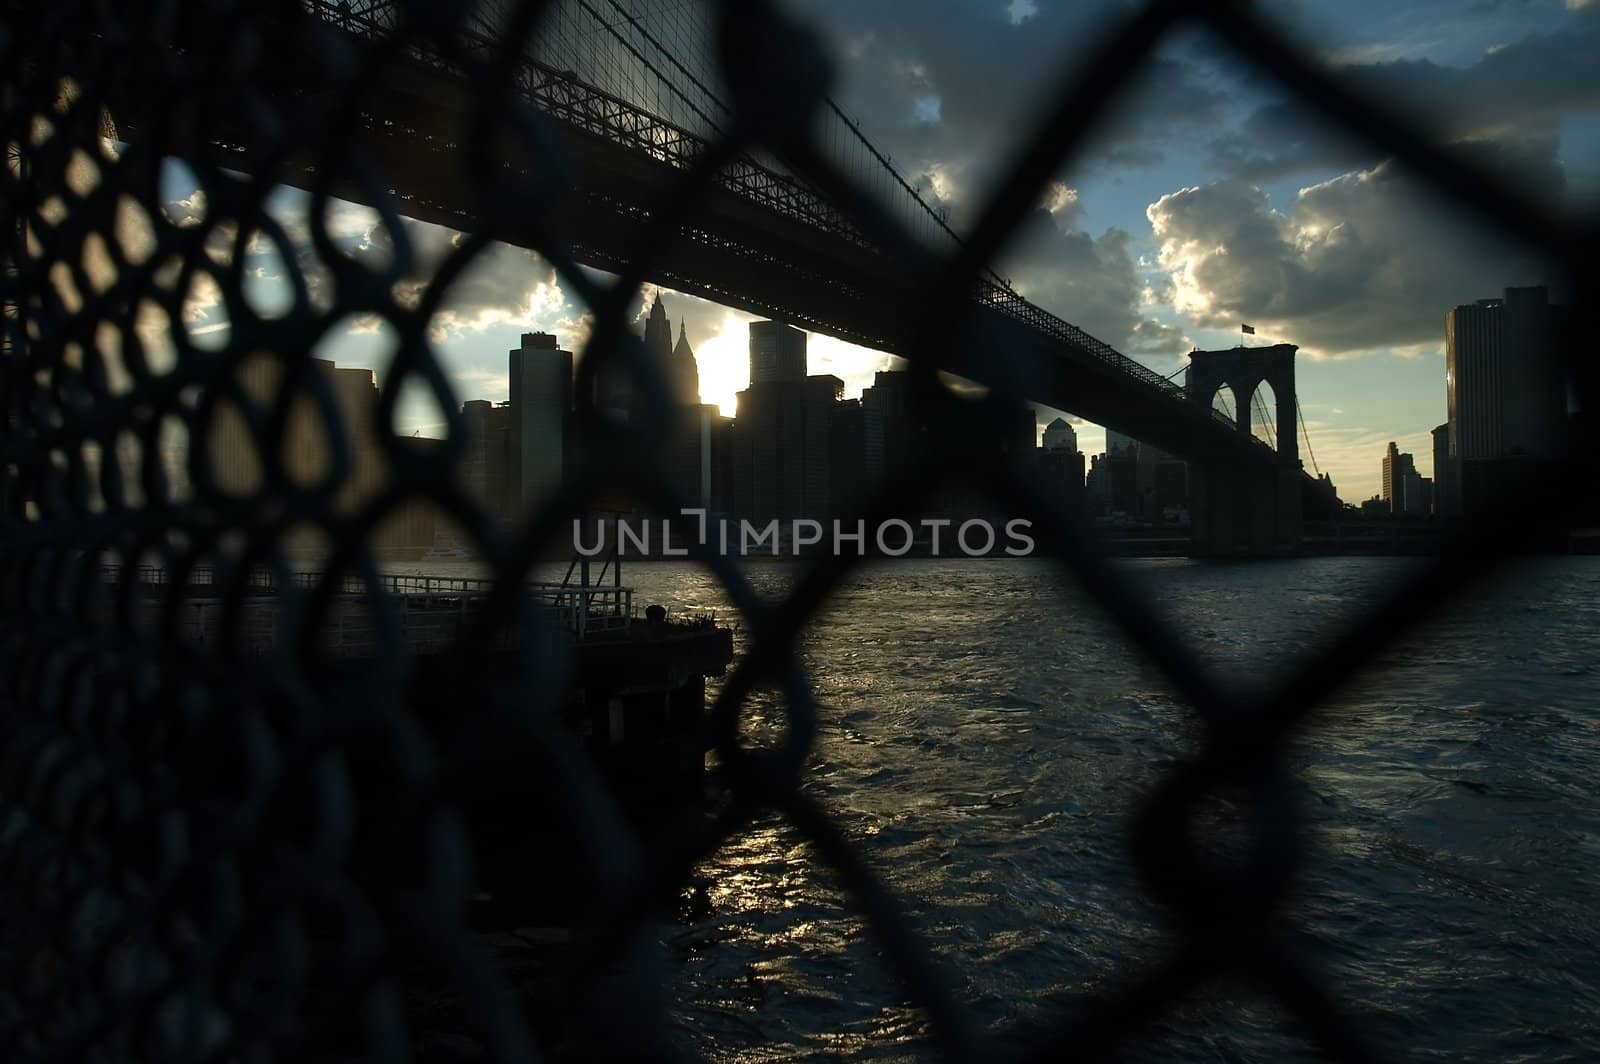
(630, 91)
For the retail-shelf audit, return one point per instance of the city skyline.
(1207, 201)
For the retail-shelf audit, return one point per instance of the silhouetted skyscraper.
(1445, 501)
(676, 361)
(307, 453)
(1060, 464)
(486, 456)
(847, 443)
(777, 352)
(890, 432)
(1503, 391)
(684, 371)
(1505, 394)
(783, 443)
(1398, 466)
(541, 405)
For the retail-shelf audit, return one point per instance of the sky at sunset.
(1207, 199)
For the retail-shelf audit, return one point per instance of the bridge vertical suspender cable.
(670, 57)
(672, 86)
(1265, 421)
(1306, 436)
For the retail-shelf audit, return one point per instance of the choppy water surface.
(984, 732)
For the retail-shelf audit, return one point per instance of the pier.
(629, 692)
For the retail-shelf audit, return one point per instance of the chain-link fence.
(215, 850)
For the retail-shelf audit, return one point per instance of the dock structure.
(631, 691)
(433, 611)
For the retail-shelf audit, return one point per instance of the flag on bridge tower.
(1248, 330)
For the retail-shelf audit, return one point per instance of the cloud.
(1364, 261)
(1089, 280)
(1158, 338)
(895, 56)
(1513, 97)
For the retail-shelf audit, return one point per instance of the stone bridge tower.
(1247, 507)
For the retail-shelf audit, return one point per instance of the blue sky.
(1207, 198)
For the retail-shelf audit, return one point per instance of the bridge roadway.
(762, 242)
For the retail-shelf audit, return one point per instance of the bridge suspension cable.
(1263, 419)
(671, 58)
(646, 71)
(1306, 436)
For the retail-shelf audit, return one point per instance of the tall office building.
(1393, 474)
(890, 433)
(694, 458)
(486, 456)
(1445, 502)
(306, 452)
(777, 352)
(1060, 464)
(1417, 494)
(307, 449)
(541, 406)
(1504, 393)
(782, 449)
(1398, 468)
(849, 481)
(784, 435)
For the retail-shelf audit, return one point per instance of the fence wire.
(213, 854)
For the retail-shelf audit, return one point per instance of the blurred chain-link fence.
(235, 848)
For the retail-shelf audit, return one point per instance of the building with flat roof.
(777, 352)
(783, 449)
(1505, 393)
(541, 414)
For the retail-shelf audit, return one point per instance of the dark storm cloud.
(948, 89)
(1369, 259)
(991, 74)
(1513, 96)
(1090, 280)
(1361, 262)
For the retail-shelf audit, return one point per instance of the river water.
(985, 732)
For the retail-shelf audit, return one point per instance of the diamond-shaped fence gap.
(1325, 222)
(134, 232)
(1088, 735)
(384, 1028)
(207, 325)
(1477, 104)
(1426, 780)
(272, 286)
(912, 80)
